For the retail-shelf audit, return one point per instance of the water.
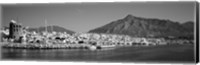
(166, 53)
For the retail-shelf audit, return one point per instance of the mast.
(46, 25)
(17, 19)
(52, 28)
(38, 30)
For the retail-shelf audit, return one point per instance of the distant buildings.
(15, 30)
(17, 33)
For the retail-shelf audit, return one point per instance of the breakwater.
(45, 46)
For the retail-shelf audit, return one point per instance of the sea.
(154, 54)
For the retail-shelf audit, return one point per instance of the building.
(15, 30)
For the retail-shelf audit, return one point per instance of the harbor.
(19, 37)
(128, 32)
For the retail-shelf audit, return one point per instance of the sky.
(82, 17)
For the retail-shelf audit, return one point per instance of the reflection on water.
(175, 53)
(55, 54)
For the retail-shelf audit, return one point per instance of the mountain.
(189, 25)
(146, 27)
(50, 28)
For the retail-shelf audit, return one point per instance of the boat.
(106, 46)
(92, 47)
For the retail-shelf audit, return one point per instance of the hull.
(107, 46)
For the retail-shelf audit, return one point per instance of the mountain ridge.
(50, 29)
(144, 27)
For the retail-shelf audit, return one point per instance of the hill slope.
(144, 27)
(50, 28)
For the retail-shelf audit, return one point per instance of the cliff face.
(144, 27)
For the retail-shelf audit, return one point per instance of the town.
(17, 36)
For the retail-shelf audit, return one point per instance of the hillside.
(51, 28)
(146, 27)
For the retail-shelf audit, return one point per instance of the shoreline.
(52, 46)
(61, 46)
(44, 46)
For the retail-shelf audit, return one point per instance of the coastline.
(67, 46)
(44, 46)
